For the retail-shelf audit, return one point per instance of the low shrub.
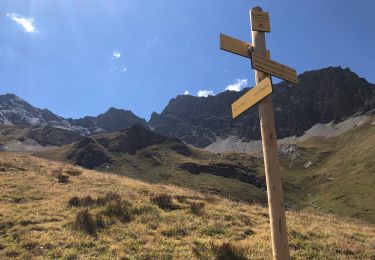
(56, 172)
(213, 231)
(99, 221)
(89, 201)
(122, 210)
(227, 251)
(85, 222)
(175, 232)
(110, 196)
(73, 172)
(74, 201)
(63, 178)
(164, 201)
(144, 209)
(200, 250)
(181, 199)
(197, 208)
(115, 208)
(85, 201)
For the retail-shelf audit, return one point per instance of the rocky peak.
(116, 119)
(324, 95)
(16, 111)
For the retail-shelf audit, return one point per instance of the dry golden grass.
(36, 221)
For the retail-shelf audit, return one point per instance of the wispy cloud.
(116, 54)
(124, 69)
(186, 92)
(238, 85)
(25, 22)
(205, 93)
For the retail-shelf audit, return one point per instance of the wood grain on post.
(279, 233)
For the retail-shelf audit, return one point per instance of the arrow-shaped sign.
(251, 97)
(274, 68)
(235, 46)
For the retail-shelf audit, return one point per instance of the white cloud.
(205, 93)
(238, 85)
(124, 69)
(186, 92)
(26, 23)
(116, 54)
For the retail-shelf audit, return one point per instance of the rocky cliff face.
(322, 96)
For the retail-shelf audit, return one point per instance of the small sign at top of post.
(260, 21)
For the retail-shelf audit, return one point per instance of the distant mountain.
(15, 111)
(322, 96)
(326, 95)
(50, 129)
(111, 121)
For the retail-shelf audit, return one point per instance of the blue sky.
(79, 58)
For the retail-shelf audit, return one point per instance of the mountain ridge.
(323, 95)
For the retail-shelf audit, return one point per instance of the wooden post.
(279, 234)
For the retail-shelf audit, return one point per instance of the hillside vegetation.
(55, 210)
(341, 177)
(143, 154)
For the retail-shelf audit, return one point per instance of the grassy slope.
(342, 177)
(340, 180)
(169, 172)
(35, 221)
(163, 167)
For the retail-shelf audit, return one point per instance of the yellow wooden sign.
(274, 68)
(235, 46)
(253, 96)
(260, 21)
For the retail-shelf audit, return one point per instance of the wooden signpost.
(262, 64)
